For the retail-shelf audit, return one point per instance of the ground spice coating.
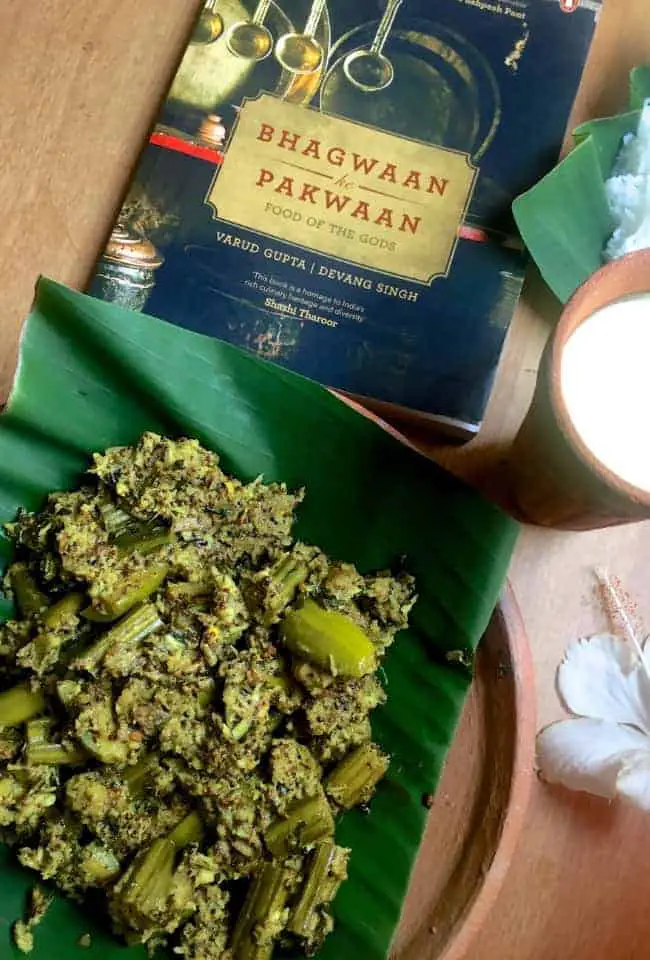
(186, 703)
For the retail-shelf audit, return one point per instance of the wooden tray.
(479, 808)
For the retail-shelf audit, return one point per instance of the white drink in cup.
(581, 458)
(605, 386)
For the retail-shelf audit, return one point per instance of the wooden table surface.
(79, 87)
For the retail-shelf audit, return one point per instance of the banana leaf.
(564, 219)
(93, 375)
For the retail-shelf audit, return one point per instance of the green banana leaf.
(564, 219)
(92, 375)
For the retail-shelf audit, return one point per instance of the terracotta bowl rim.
(521, 784)
(616, 274)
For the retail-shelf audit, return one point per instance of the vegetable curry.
(187, 700)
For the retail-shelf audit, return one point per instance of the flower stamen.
(622, 616)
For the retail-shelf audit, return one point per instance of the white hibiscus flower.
(604, 749)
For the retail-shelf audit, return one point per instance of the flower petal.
(633, 784)
(602, 678)
(589, 755)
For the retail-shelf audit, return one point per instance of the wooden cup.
(555, 480)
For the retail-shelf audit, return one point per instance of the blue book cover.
(329, 185)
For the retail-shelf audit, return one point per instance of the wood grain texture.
(79, 85)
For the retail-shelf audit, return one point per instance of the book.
(329, 185)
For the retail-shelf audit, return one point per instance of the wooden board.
(80, 86)
(480, 806)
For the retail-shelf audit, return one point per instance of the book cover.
(329, 185)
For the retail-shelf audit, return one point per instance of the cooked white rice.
(628, 192)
